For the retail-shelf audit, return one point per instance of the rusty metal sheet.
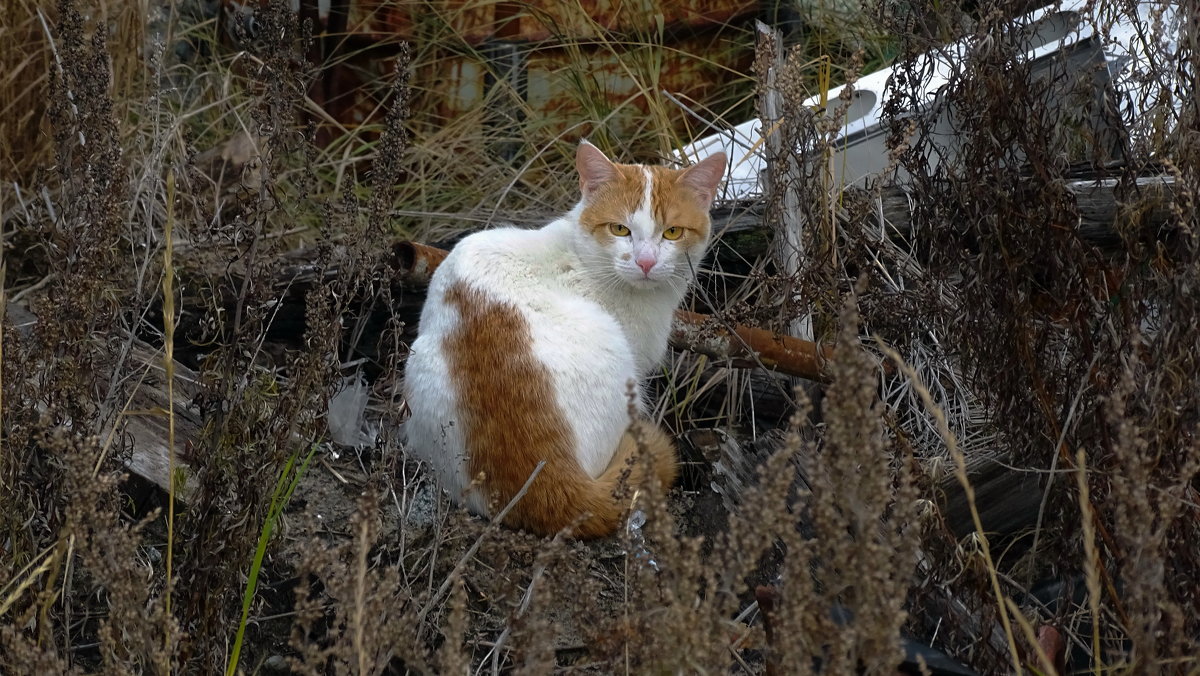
(557, 82)
(477, 21)
(614, 81)
(701, 68)
(581, 19)
(471, 21)
(379, 19)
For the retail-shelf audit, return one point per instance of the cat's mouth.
(646, 282)
(638, 278)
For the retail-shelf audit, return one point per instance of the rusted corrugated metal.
(583, 19)
(472, 21)
(561, 86)
(562, 81)
(380, 20)
(478, 21)
(566, 61)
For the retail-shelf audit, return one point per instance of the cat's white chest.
(645, 320)
(648, 333)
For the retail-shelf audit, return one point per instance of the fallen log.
(741, 345)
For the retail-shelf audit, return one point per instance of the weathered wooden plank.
(142, 425)
(146, 421)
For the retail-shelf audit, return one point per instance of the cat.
(532, 342)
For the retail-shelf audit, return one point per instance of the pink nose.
(645, 261)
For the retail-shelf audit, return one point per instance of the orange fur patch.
(511, 423)
(675, 205)
(671, 204)
(614, 201)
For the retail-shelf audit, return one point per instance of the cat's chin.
(647, 284)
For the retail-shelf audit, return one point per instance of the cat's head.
(647, 227)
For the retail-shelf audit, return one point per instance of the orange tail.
(560, 494)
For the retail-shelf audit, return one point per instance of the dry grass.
(827, 548)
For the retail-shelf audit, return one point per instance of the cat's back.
(502, 265)
(535, 272)
(506, 342)
(507, 261)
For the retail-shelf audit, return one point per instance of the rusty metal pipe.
(743, 345)
(750, 347)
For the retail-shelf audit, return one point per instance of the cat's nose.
(645, 261)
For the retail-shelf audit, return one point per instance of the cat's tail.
(595, 500)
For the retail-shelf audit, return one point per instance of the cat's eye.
(618, 229)
(673, 233)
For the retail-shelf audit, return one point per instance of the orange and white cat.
(530, 341)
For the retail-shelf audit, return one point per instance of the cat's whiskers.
(677, 283)
(602, 272)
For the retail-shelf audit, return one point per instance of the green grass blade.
(284, 487)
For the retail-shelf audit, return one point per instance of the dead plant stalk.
(960, 472)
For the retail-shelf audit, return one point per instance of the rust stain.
(379, 19)
(701, 68)
(585, 19)
(473, 21)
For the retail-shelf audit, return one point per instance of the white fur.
(599, 324)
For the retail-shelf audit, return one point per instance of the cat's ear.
(594, 168)
(704, 177)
